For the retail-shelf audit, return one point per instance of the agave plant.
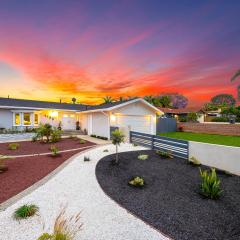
(210, 186)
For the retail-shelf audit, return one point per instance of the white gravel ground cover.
(76, 186)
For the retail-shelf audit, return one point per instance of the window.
(26, 119)
(17, 120)
(36, 119)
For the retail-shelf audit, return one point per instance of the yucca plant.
(65, 228)
(210, 186)
(25, 211)
(54, 150)
(117, 139)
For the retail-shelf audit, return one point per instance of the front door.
(69, 122)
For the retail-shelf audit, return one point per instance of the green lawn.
(206, 138)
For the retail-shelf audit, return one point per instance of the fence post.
(130, 136)
(152, 143)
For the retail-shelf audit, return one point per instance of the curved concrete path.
(76, 186)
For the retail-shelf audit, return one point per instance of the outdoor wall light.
(53, 114)
(113, 118)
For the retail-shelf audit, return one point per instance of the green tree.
(223, 100)
(165, 101)
(192, 117)
(117, 139)
(108, 99)
(149, 99)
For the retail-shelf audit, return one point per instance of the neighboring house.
(183, 112)
(136, 114)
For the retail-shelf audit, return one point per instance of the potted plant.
(77, 125)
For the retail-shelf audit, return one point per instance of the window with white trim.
(26, 119)
(17, 119)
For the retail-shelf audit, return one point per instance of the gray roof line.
(23, 103)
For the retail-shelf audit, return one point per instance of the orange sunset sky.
(89, 49)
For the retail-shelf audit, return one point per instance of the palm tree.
(74, 100)
(236, 75)
(121, 99)
(108, 99)
(149, 99)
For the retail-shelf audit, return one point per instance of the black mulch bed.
(170, 201)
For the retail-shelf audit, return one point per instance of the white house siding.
(100, 124)
(137, 116)
(6, 119)
(83, 119)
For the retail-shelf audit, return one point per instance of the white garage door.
(136, 123)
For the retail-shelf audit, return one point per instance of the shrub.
(93, 135)
(105, 150)
(54, 150)
(3, 167)
(65, 228)
(34, 138)
(13, 146)
(25, 211)
(142, 157)
(86, 159)
(137, 182)
(194, 161)
(45, 236)
(82, 141)
(192, 117)
(117, 139)
(56, 135)
(182, 119)
(44, 130)
(210, 186)
(163, 154)
(135, 145)
(220, 119)
(180, 129)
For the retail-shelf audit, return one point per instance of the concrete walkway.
(76, 186)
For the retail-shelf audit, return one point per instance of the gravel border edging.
(14, 199)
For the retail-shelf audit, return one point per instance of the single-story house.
(135, 114)
(183, 112)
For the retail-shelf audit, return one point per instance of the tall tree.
(165, 101)
(108, 99)
(233, 78)
(223, 100)
(74, 100)
(149, 99)
(236, 75)
(178, 100)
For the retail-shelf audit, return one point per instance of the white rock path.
(76, 186)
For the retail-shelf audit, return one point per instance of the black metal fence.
(178, 148)
(166, 125)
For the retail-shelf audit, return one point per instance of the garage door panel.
(136, 123)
